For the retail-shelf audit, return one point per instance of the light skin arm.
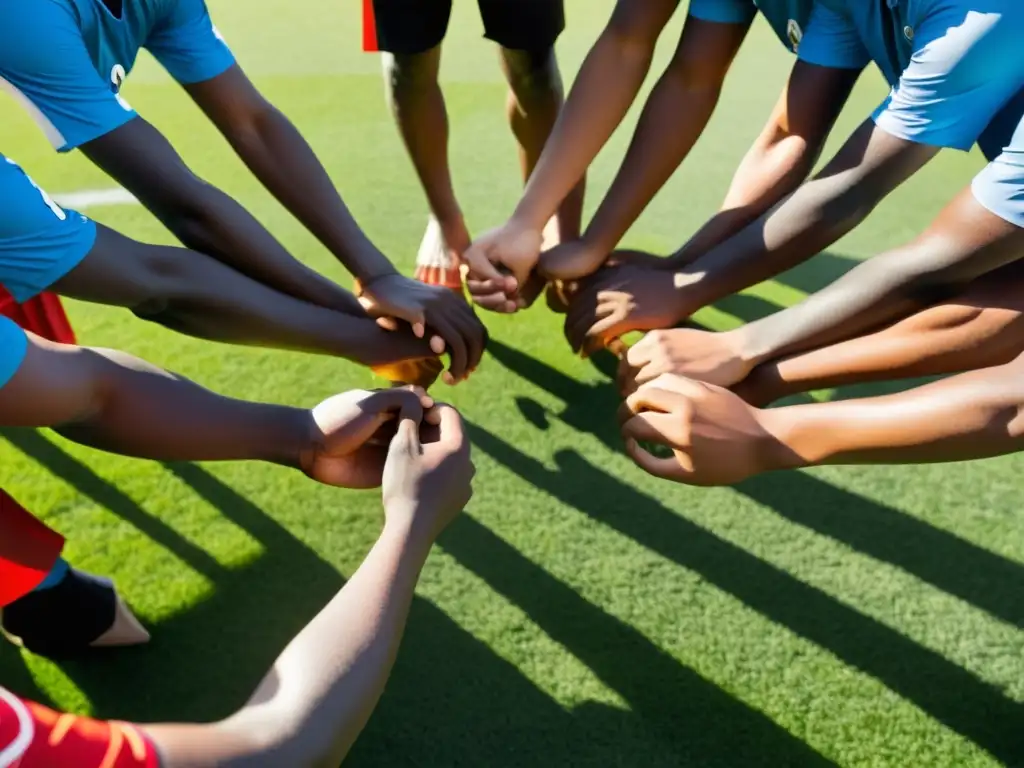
(718, 439)
(674, 117)
(602, 92)
(970, 416)
(604, 89)
(321, 691)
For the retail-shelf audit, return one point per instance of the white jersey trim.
(26, 730)
(55, 137)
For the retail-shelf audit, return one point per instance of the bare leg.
(534, 100)
(419, 108)
(982, 327)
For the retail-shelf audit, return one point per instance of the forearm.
(970, 416)
(321, 691)
(768, 173)
(672, 121)
(283, 161)
(210, 222)
(137, 409)
(602, 93)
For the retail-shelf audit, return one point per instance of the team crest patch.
(794, 33)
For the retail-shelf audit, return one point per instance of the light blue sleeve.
(723, 11)
(831, 40)
(46, 67)
(13, 346)
(188, 45)
(966, 64)
(40, 242)
(1000, 185)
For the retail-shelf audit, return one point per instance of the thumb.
(480, 267)
(406, 443)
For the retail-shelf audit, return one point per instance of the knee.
(533, 76)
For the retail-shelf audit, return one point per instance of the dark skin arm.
(964, 242)
(195, 294)
(782, 156)
(202, 217)
(271, 146)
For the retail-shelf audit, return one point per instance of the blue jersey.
(956, 67)
(787, 18)
(13, 345)
(65, 60)
(40, 242)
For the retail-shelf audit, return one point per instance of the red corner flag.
(28, 549)
(369, 28)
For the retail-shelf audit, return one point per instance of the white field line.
(93, 198)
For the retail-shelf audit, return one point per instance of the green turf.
(581, 612)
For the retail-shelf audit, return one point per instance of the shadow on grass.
(451, 701)
(947, 692)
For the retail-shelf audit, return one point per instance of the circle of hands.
(689, 400)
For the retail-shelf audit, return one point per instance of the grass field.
(581, 613)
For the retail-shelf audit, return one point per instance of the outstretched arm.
(319, 694)
(965, 241)
(971, 416)
(603, 91)
(782, 155)
(202, 217)
(113, 401)
(195, 294)
(274, 150)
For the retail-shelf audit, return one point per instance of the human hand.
(499, 263)
(349, 434)
(620, 299)
(428, 477)
(458, 329)
(714, 358)
(715, 437)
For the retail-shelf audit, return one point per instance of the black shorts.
(415, 26)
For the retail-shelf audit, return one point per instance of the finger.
(651, 427)
(580, 318)
(406, 442)
(680, 385)
(433, 416)
(475, 334)
(484, 287)
(480, 267)
(652, 398)
(419, 327)
(601, 332)
(388, 323)
(495, 302)
(641, 353)
(456, 349)
(618, 347)
(453, 433)
(667, 469)
(437, 345)
(648, 374)
(407, 403)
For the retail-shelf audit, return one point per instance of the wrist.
(790, 441)
(528, 217)
(406, 524)
(370, 264)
